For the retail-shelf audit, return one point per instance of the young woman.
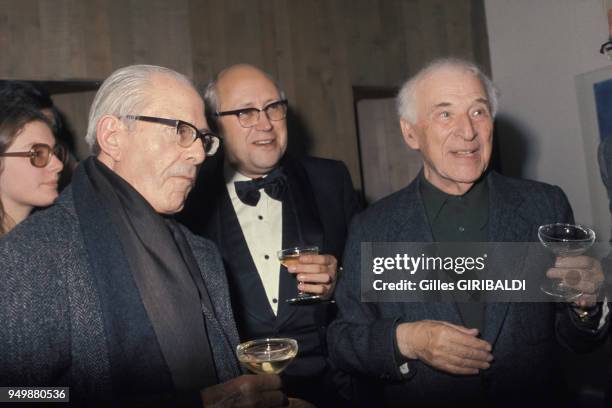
(30, 163)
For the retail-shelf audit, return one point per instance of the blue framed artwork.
(594, 100)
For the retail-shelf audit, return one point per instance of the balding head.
(256, 146)
(211, 92)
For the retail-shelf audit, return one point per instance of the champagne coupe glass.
(564, 240)
(267, 356)
(291, 256)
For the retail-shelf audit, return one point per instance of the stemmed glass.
(267, 356)
(564, 240)
(291, 256)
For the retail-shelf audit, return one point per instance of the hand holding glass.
(566, 240)
(291, 256)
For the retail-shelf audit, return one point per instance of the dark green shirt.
(461, 218)
(457, 218)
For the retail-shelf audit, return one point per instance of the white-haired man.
(104, 292)
(434, 354)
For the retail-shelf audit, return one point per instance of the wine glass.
(564, 240)
(291, 256)
(267, 356)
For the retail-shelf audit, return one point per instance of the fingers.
(468, 363)
(314, 289)
(261, 382)
(470, 357)
(319, 259)
(321, 277)
(473, 343)
(246, 391)
(316, 274)
(586, 281)
(581, 272)
(265, 399)
(583, 262)
(471, 332)
(298, 403)
(467, 337)
(445, 346)
(586, 301)
(315, 264)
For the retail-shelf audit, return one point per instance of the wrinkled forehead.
(450, 85)
(171, 98)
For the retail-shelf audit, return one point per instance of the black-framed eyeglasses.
(248, 117)
(40, 154)
(186, 132)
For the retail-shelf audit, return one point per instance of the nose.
(466, 128)
(196, 152)
(263, 123)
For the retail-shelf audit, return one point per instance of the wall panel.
(318, 49)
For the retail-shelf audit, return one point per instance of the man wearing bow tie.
(259, 201)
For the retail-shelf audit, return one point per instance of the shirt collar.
(434, 198)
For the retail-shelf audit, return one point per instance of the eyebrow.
(251, 105)
(447, 104)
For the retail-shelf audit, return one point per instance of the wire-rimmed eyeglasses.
(40, 154)
(248, 117)
(186, 132)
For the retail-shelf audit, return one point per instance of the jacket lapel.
(218, 312)
(410, 224)
(506, 224)
(301, 226)
(245, 282)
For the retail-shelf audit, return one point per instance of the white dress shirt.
(262, 227)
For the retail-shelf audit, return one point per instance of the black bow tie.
(274, 186)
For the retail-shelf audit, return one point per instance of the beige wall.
(318, 49)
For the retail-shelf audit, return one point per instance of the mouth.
(465, 153)
(264, 142)
(189, 179)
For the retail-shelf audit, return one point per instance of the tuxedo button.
(260, 217)
(275, 300)
(461, 229)
(266, 257)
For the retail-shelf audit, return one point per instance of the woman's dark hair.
(13, 118)
(22, 92)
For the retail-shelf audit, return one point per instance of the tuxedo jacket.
(318, 204)
(525, 336)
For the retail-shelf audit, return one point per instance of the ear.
(409, 134)
(108, 132)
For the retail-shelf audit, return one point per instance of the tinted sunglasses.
(40, 154)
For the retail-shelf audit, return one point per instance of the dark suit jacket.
(54, 331)
(524, 336)
(325, 202)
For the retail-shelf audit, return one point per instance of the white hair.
(406, 98)
(123, 93)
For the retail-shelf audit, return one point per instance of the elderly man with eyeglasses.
(104, 292)
(259, 200)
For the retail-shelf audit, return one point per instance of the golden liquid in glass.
(259, 366)
(290, 260)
